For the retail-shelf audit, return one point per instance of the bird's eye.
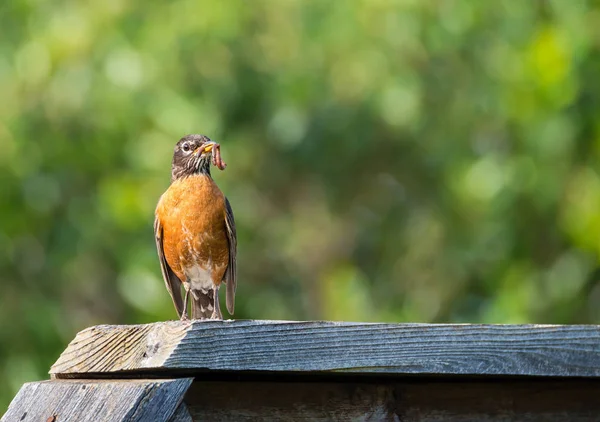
(185, 147)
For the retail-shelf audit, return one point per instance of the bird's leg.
(184, 313)
(216, 308)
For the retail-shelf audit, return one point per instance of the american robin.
(195, 231)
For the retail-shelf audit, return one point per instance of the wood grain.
(181, 414)
(82, 401)
(409, 400)
(104, 348)
(283, 346)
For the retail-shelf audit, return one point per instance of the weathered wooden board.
(410, 400)
(182, 414)
(93, 401)
(459, 349)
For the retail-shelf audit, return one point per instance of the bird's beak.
(205, 148)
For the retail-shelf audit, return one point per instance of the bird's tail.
(202, 304)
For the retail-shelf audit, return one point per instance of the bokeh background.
(410, 160)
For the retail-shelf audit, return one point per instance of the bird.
(195, 232)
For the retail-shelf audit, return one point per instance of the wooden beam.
(407, 399)
(101, 400)
(284, 346)
(181, 414)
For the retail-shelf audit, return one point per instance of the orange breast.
(192, 214)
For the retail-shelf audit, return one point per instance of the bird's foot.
(217, 316)
(216, 308)
(184, 317)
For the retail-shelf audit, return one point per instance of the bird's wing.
(230, 276)
(171, 280)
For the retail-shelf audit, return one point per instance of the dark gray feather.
(230, 276)
(203, 304)
(171, 280)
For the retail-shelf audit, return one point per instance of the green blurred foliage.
(403, 160)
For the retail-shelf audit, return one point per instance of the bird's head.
(192, 155)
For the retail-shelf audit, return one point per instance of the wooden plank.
(457, 349)
(410, 400)
(79, 400)
(181, 414)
